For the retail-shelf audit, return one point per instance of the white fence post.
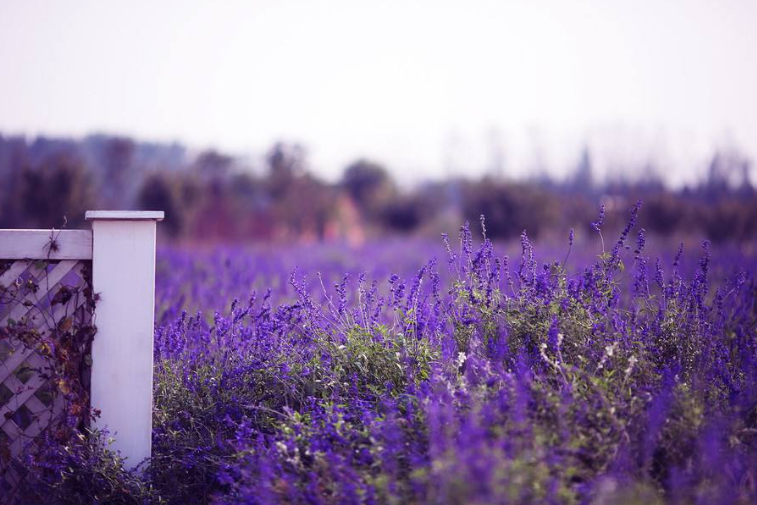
(123, 274)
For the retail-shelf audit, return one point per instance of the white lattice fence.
(39, 302)
(48, 285)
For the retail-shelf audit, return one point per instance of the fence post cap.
(125, 215)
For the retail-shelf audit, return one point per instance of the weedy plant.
(491, 381)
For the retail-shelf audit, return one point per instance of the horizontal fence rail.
(46, 244)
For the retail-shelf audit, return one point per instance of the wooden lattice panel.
(44, 300)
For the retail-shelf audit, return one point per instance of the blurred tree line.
(213, 196)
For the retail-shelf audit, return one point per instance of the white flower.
(631, 362)
(461, 357)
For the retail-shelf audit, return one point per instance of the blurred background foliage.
(210, 196)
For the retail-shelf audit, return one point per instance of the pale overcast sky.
(427, 87)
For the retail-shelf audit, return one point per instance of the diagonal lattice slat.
(42, 297)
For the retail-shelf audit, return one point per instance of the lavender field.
(439, 252)
(455, 372)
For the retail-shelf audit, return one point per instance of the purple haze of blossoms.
(388, 379)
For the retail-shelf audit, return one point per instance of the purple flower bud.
(597, 225)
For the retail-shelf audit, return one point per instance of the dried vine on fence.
(46, 331)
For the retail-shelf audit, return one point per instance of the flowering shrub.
(483, 381)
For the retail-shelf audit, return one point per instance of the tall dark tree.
(286, 162)
(118, 159)
(583, 177)
(369, 184)
(59, 187)
(213, 163)
(14, 158)
(157, 193)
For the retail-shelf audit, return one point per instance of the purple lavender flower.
(597, 225)
(557, 385)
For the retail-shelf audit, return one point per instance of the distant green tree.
(369, 184)
(583, 176)
(286, 162)
(213, 163)
(157, 193)
(403, 214)
(60, 186)
(509, 208)
(118, 160)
